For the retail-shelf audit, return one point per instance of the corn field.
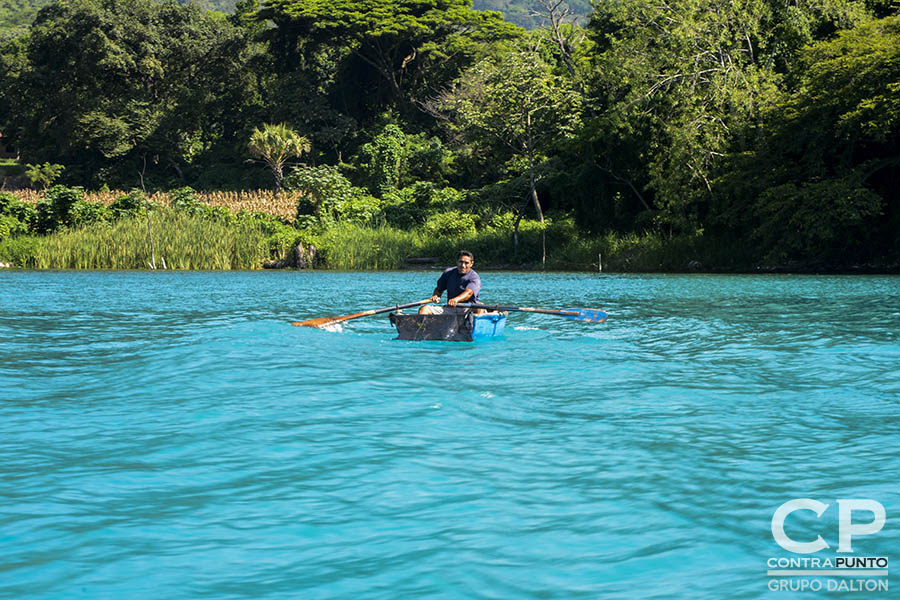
(282, 205)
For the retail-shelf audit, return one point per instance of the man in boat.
(461, 283)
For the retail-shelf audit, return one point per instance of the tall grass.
(282, 205)
(356, 247)
(182, 241)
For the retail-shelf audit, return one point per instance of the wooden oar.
(592, 315)
(322, 322)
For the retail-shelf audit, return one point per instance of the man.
(462, 285)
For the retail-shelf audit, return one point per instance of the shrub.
(128, 205)
(6, 200)
(53, 211)
(325, 192)
(43, 174)
(381, 160)
(821, 220)
(445, 198)
(61, 199)
(426, 159)
(11, 227)
(360, 208)
(400, 210)
(218, 214)
(186, 200)
(450, 224)
(45, 219)
(83, 213)
(503, 221)
(24, 212)
(413, 205)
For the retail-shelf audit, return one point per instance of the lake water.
(170, 435)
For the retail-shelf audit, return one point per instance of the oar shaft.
(592, 315)
(328, 321)
(548, 311)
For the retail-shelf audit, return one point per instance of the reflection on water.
(171, 435)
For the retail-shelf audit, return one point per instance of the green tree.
(518, 101)
(674, 80)
(13, 62)
(326, 193)
(381, 160)
(822, 184)
(108, 82)
(407, 44)
(679, 85)
(275, 144)
(43, 175)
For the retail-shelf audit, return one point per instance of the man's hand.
(436, 298)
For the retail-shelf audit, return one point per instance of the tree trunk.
(279, 175)
(534, 194)
(516, 235)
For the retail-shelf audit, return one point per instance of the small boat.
(456, 327)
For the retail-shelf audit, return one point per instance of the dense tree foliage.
(741, 132)
(374, 55)
(530, 13)
(823, 182)
(16, 15)
(516, 101)
(107, 83)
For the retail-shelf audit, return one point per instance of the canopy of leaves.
(108, 79)
(683, 83)
(16, 15)
(515, 100)
(824, 181)
(528, 13)
(407, 43)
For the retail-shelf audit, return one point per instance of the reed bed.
(282, 205)
(354, 247)
(351, 247)
(182, 241)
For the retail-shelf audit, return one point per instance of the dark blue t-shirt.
(456, 284)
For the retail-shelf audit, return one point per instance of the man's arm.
(466, 295)
(436, 294)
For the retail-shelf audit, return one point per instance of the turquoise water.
(170, 435)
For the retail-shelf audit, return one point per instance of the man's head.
(464, 262)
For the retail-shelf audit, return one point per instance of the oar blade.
(592, 315)
(325, 322)
(319, 323)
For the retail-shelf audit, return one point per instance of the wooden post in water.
(599, 262)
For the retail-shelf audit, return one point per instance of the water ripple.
(169, 434)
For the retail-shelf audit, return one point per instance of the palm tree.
(275, 144)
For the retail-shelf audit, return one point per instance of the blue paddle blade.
(588, 314)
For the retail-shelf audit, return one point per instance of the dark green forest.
(731, 135)
(17, 15)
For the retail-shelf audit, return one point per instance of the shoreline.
(760, 270)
